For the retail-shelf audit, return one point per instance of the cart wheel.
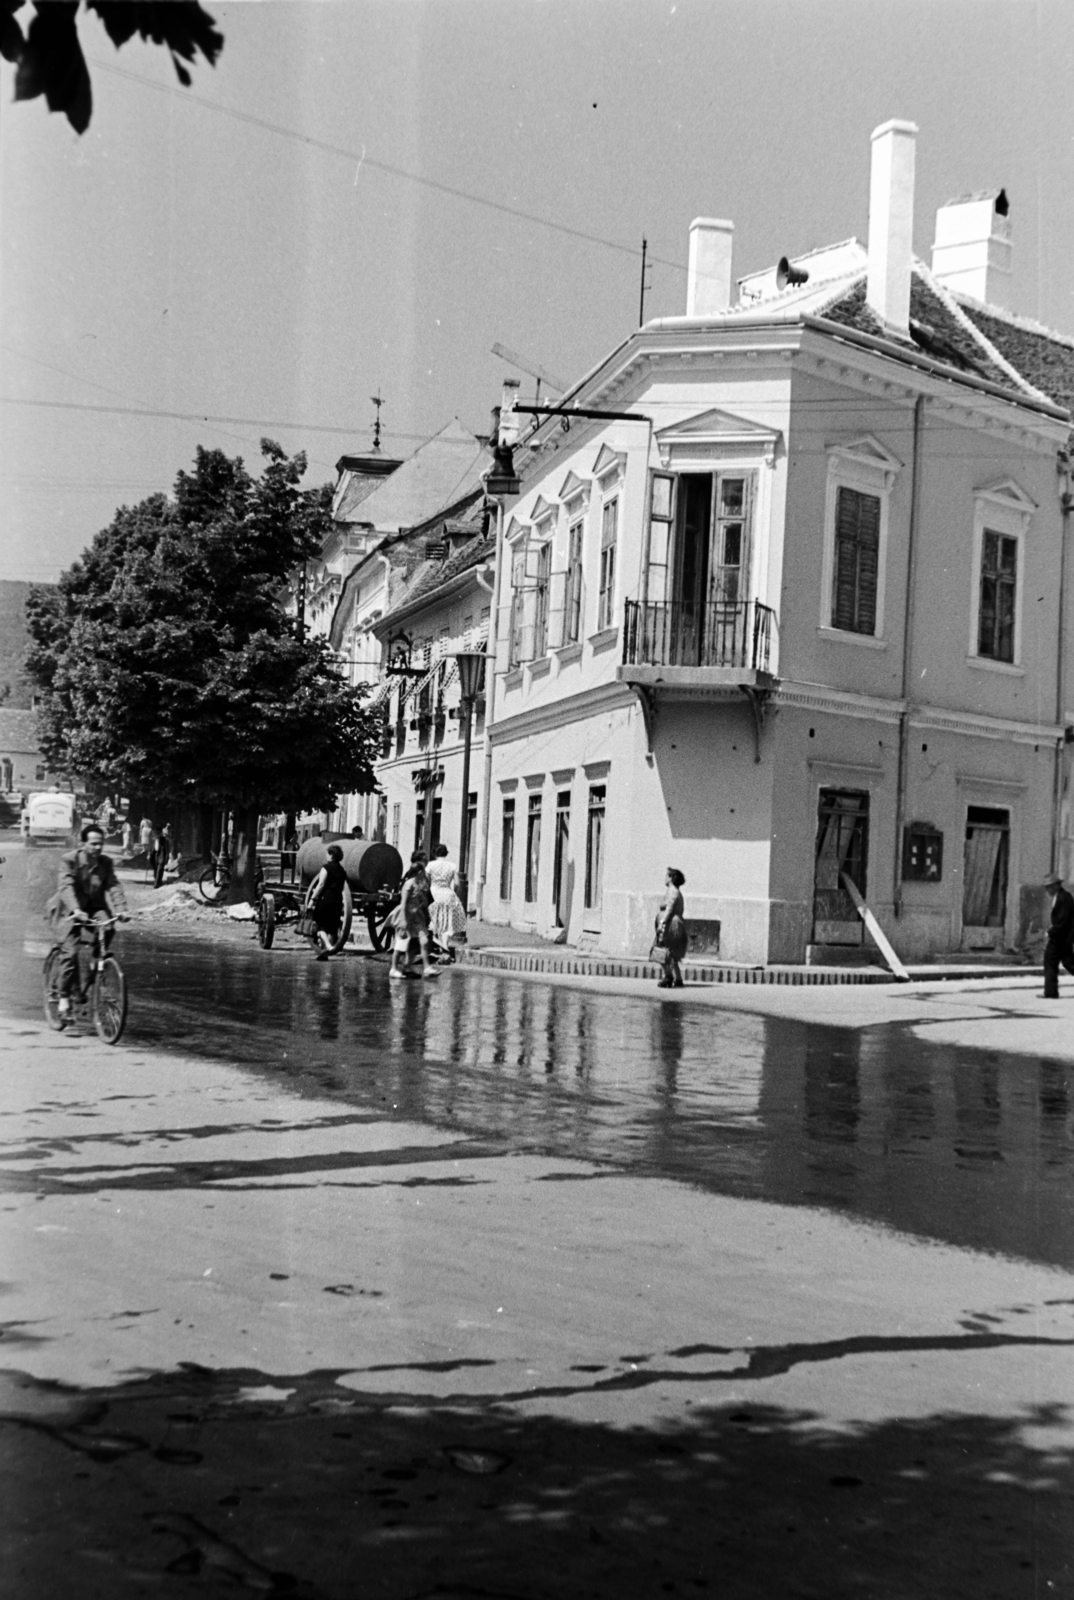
(373, 920)
(345, 923)
(266, 921)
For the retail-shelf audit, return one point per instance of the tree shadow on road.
(203, 1483)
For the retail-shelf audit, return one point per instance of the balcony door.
(710, 566)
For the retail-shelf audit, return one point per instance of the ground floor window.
(533, 847)
(594, 849)
(560, 868)
(507, 848)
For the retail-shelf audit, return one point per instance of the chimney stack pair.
(971, 253)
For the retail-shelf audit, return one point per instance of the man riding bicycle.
(88, 888)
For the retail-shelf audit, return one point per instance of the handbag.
(306, 927)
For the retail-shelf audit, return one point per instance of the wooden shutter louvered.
(857, 561)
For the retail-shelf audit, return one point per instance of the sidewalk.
(511, 950)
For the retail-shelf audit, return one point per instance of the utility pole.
(641, 300)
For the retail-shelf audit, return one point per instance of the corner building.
(791, 619)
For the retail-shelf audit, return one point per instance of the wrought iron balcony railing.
(686, 633)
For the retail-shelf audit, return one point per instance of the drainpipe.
(492, 589)
(1066, 500)
(907, 649)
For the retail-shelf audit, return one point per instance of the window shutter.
(557, 602)
(857, 561)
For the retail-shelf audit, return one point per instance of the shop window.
(594, 849)
(533, 847)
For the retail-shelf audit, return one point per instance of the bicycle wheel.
(212, 885)
(109, 1000)
(266, 921)
(52, 991)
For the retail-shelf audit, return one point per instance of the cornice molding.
(558, 713)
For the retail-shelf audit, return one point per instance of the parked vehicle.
(50, 817)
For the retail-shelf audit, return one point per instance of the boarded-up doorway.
(984, 878)
(842, 846)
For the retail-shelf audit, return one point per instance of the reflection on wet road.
(968, 1147)
(972, 1147)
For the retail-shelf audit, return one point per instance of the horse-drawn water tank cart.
(374, 872)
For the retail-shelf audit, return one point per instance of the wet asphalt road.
(323, 1286)
(973, 1148)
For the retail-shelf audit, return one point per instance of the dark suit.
(92, 888)
(1060, 947)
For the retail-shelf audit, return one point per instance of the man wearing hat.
(1060, 946)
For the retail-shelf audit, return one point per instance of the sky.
(361, 198)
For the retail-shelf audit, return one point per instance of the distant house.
(441, 611)
(381, 527)
(790, 621)
(14, 643)
(21, 764)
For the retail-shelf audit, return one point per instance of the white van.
(50, 817)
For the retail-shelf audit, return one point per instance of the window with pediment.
(1002, 514)
(861, 475)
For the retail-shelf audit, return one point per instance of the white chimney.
(708, 281)
(891, 223)
(972, 253)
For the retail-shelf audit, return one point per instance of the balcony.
(691, 644)
(686, 649)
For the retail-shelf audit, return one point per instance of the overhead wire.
(366, 160)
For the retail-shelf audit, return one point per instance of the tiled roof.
(936, 329)
(439, 474)
(1045, 359)
(18, 732)
(429, 575)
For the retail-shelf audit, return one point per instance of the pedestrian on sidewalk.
(413, 922)
(671, 934)
(1060, 947)
(324, 902)
(447, 917)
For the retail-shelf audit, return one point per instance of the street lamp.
(471, 664)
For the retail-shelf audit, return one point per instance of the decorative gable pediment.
(868, 455)
(574, 488)
(515, 531)
(714, 435)
(1008, 495)
(543, 509)
(609, 461)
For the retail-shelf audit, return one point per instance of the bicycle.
(215, 880)
(101, 993)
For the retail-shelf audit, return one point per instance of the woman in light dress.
(447, 916)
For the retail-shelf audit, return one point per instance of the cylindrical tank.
(368, 864)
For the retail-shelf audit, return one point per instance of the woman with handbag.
(671, 937)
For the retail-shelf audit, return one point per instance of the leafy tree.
(167, 665)
(48, 56)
